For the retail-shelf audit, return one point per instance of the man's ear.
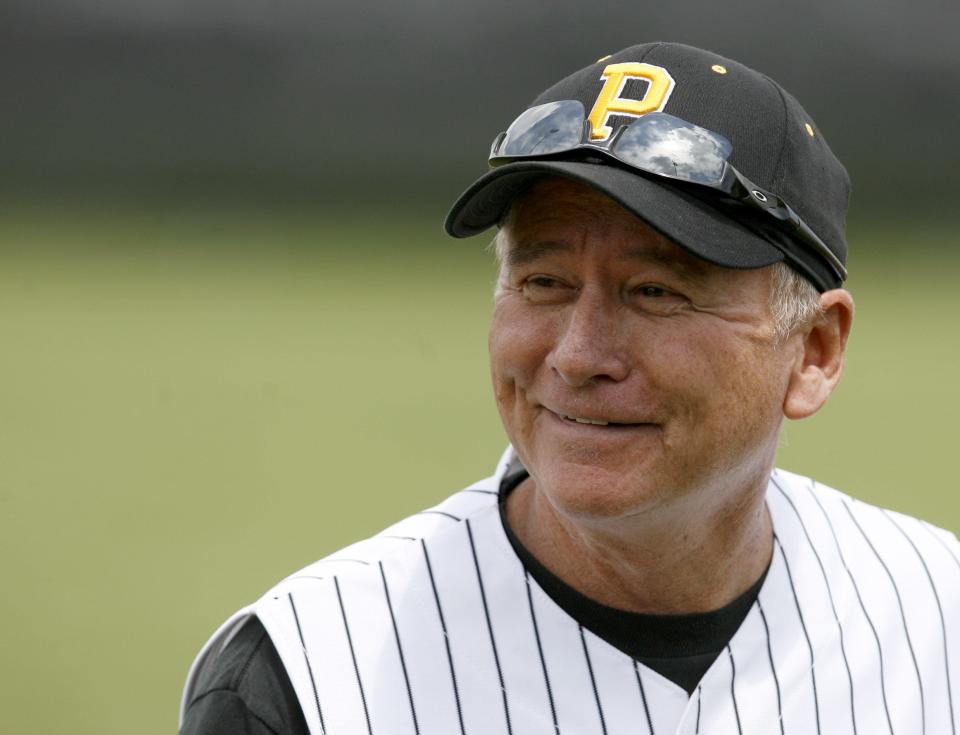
(819, 363)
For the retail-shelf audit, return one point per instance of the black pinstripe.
(403, 662)
(482, 492)
(856, 590)
(486, 614)
(699, 695)
(353, 655)
(806, 635)
(833, 606)
(303, 645)
(903, 617)
(543, 662)
(773, 668)
(733, 690)
(440, 513)
(593, 681)
(643, 696)
(446, 638)
(943, 624)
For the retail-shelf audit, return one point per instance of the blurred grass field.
(197, 402)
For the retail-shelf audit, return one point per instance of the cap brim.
(687, 220)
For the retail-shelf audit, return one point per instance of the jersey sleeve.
(244, 690)
(222, 712)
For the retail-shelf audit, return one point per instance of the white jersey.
(433, 627)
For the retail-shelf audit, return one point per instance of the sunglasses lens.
(666, 145)
(551, 128)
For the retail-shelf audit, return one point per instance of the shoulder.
(914, 556)
(360, 600)
(403, 539)
(361, 571)
(429, 524)
(360, 576)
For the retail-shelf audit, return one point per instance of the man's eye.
(652, 291)
(543, 289)
(656, 299)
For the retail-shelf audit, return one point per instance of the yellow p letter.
(609, 102)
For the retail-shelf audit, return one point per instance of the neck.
(688, 558)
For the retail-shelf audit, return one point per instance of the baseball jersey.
(435, 626)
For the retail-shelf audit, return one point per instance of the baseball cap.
(775, 144)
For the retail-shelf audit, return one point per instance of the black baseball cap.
(775, 144)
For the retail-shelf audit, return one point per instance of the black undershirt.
(246, 691)
(678, 647)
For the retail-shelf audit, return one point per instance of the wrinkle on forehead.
(672, 257)
(558, 200)
(562, 203)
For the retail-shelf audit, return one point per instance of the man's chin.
(596, 491)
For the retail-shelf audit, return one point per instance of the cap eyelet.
(759, 195)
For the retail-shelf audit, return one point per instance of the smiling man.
(672, 254)
(644, 389)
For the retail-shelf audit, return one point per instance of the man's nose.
(589, 346)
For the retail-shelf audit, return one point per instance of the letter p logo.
(609, 102)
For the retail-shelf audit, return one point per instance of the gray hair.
(794, 301)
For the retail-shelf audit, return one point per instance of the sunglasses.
(663, 145)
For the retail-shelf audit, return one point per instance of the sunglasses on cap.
(660, 144)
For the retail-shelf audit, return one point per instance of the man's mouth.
(593, 421)
(581, 420)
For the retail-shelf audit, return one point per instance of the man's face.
(627, 372)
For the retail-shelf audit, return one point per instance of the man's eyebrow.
(530, 252)
(688, 267)
(527, 253)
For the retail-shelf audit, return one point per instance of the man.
(672, 255)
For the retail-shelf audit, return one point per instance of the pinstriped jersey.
(434, 627)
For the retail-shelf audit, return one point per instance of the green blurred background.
(235, 339)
